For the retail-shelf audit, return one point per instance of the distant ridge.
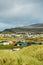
(30, 28)
(35, 26)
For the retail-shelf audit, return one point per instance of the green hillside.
(32, 55)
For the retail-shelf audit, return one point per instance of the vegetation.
(28, 41)
(32, 55)
(10, 46)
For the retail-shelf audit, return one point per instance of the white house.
(16, 49)
(5, 43)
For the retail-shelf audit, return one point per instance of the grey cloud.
(20, 10)
(6, 4)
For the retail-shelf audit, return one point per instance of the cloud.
(22, 8)
(2, 25)
(21, 12)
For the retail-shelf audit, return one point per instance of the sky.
(14, 13)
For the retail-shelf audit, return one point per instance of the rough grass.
(32, 55)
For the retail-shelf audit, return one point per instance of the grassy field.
(32, 55)
(8, 38)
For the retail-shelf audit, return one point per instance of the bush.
(10, 46)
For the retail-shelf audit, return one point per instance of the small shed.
(4, 43)
(23, 44)
(20, 43)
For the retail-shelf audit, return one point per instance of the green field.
(32, 55)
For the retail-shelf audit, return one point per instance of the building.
(4, 43)
(20, 43)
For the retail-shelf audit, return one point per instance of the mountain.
(29, 28)
(34, 26)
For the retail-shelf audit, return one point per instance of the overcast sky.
(14, 13)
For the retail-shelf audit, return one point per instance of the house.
(4, 43)
(23, 44)
(14, 42)
(21, 40)
(10, 42)
(16, 49)
(20, 43)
